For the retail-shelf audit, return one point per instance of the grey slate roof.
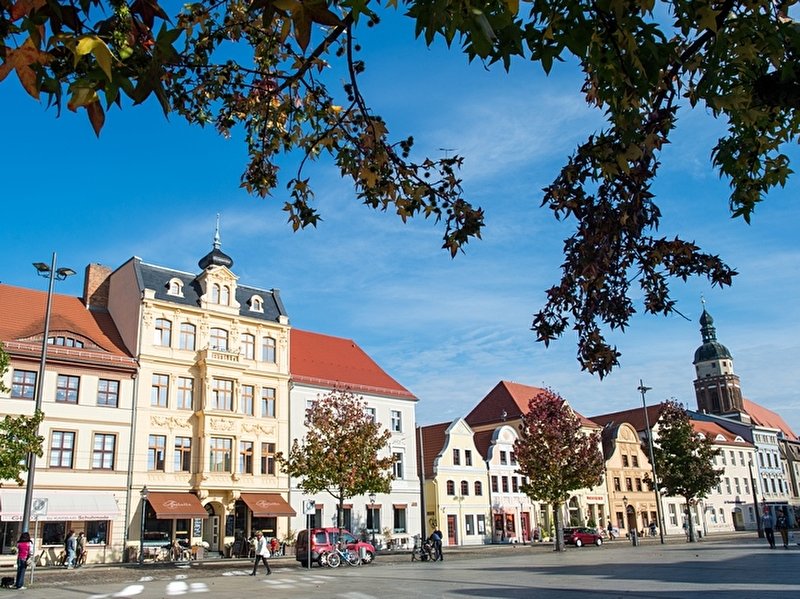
(157, 278)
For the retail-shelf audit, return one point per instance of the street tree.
(684, 459)
(18, 436)
(555, 455)
(260, 69)
(341, 451)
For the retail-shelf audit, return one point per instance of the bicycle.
(339, 555)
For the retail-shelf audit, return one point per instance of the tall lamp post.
(643, 390)
(54, 275)
(755, 501)
(372, 515)
(143, 494)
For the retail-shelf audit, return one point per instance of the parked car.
(323, 541)
(581, 535)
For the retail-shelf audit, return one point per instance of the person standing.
(610, 531)
(436, 538)
(262, 553)
(766, 524)
(274, 546)
(782, 524)
(24, 555)
(80, 550)
(70, 546)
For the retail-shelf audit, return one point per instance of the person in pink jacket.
(24, 551)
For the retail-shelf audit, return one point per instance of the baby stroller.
(422, 552)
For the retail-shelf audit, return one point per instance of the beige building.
(81, 480)
(211, 401)
(455, 484)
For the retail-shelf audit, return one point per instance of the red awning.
(267, 504)
(169, 506)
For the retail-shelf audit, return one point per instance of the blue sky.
(447, 329)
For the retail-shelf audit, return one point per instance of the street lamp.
(54, 275)
(372, 515)
(643, 390)
(755, 501)
(143, 494)
(459, 499)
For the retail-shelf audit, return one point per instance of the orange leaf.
(25, 7)
(97, 117)
(27, 77)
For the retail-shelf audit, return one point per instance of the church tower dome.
(716, 387)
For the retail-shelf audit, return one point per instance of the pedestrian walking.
(766, 524)
(262, 553)
(436, 539)
(80, 550)
(782, 524)
(610, 531)
(24, 557)
(70, 547)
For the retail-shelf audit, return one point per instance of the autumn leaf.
(20, 59)
(25, 7)
(97, 117)
(91, 44)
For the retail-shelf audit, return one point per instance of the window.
(225, 295)
(746, 486)
(628, 484)
(467, 457)
(469, 524)
(737, 486)
(23, 384)
(397, 467)
(248, 346)
(495, 488)
(514, 485)
(185, 393)
(96, 532)
(503, 458)
(624, 461)
(268, 350)
(222, 394)
(268, 402)
(268, 458)
(219, 454)
(219, 339)
(617, 486)
(62, 447)
(478, 488)
(175, 287)
(246, 457)
(635, 459)
(733, 458)
(156, 450)
(183, 454)
(215, 294)
(464, 488)
(162, 334)
(638, 484)
(65, 341)
(504, 481)
(187, 336)
(107, 393)
(513, 458)
(374, 519)
(370, 412)
(481, 524)
(159, 390)
(397, 421)
(247, 400)
(103, 452)
(399, 519)
(256, 304)
(456, 457)
(728, 485)
(67, 388)
(451, 488)
(54, 533)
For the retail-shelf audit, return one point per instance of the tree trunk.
(559, 540)
(690, 521)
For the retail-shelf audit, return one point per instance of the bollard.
(634, 538)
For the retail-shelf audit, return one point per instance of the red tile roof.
(327, 361)
(712, 430)
(511, 398)
(433, 437)
(764, 417)
(634, 417)
(23, 313)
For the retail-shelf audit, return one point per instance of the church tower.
(716, 387)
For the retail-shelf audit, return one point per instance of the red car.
(582, 536)
(323, 540)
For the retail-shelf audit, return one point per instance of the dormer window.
(175, 287)
(64, 341)
(256, 304)
(215, 293)
(225, 297)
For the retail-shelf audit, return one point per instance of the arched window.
(163, 332)
(464, 487)
(248, 346)
(187, 336)
(451, 487)
(478, 488)
(256, 304)
(268, 349)
(215, 294)
(175, 287)
(225, 298)
(219, 339)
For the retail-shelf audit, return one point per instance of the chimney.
(95, 286)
